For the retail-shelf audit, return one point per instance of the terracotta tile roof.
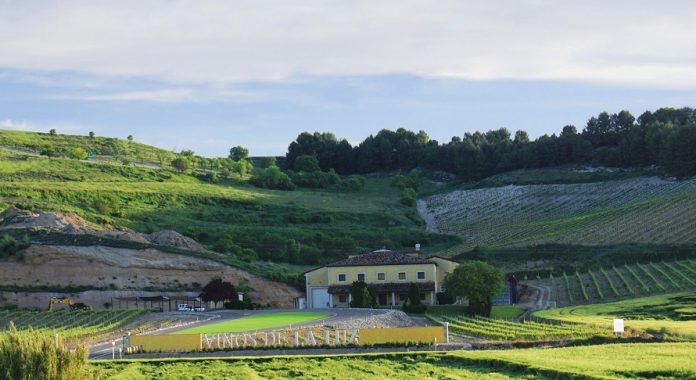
(398, 287)
(381, 257)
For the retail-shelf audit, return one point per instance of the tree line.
(665, 137)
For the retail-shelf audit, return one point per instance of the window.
(342, 298)
(402, 297)
(401, 276)
(341, 277)
(361, 277)
(381, 276)
(420, 275)
(422, 296)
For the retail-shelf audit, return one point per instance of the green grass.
(667, 314)
(257, 322)
(615, 361)
(229, 216)
(506, 311)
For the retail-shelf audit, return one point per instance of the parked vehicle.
(187, 307)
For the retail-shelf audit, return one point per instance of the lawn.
(257, 322)
(670, 314)
(506, 311)
(614, 361)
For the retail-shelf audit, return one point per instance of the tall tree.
(239, 153)
(478, 282)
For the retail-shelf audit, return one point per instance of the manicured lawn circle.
(257, 322)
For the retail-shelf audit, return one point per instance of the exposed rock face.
(121, 268)
(14, 218)
(131, 269)
(69, 223)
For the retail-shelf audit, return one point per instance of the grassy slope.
(61, 144)
(669, 313)
(257, 322)
(327, 223)
(615, 361)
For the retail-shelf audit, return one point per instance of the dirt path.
(536, 297)
(430, 224)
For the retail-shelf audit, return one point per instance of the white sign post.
(618, 326)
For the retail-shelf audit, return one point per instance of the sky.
(209, 75)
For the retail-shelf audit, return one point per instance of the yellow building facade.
(389, 273)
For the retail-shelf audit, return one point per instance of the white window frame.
(424, 276)
(338, 277)
(385, 276)
(405, 276)
(357, 276)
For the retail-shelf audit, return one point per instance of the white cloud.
(641, 43)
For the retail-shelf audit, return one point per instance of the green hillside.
(103, 148)
(249, 226)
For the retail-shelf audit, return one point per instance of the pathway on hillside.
(430, 224)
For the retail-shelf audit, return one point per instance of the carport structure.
(161, 302)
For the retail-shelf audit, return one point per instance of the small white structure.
(618, 326)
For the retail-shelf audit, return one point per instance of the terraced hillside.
(635, 210)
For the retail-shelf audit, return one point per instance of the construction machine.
(74, 306)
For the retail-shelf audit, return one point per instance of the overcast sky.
(207, 75)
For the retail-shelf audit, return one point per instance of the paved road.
(104, 350)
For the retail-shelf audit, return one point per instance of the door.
(382, 297)
(320, 298)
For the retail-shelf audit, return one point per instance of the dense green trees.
(659, 138)
(477, 282)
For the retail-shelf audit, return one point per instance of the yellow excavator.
(74, 306)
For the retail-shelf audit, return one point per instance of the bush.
(408, 197)
(34, 355)
(362, 295)
(107, 205)
(353, 183)
(273, 178)
(78, 153)
(413, 303)
(10, 247)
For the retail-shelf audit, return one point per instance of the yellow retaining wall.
(167, 343)
(435, 334)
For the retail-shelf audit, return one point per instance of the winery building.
(389, 273)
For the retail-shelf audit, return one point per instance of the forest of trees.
(666, 137)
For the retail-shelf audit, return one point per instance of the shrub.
(107, 205)
(408, 197)
(353, 183)
(413, 303)
(273, 178)
(11, 247)
(362, 295)
(78, 153)
(34, 355)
